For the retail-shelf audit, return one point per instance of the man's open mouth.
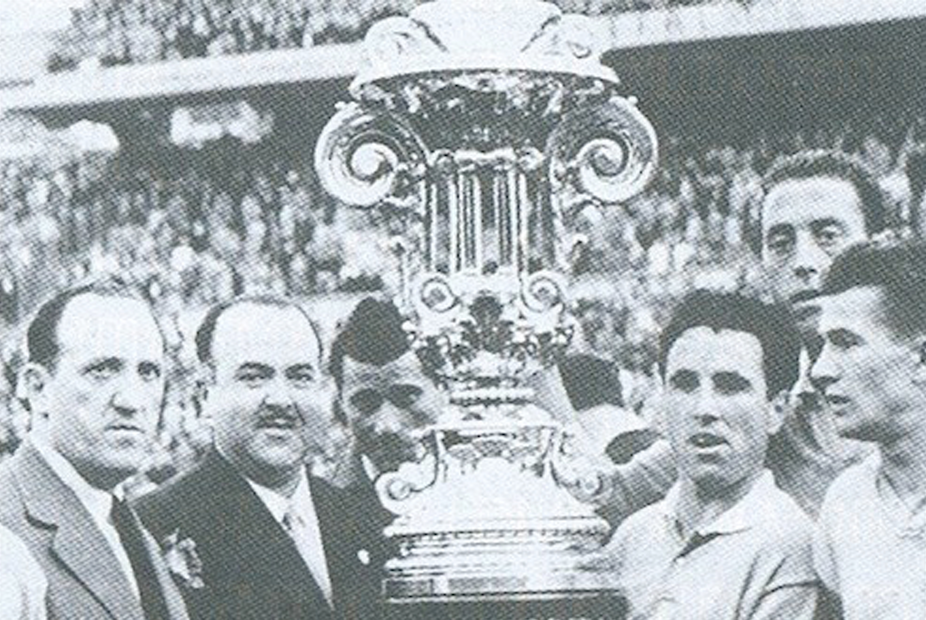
(280, 422)
(124, 428)
(707, 440)
(805, 295)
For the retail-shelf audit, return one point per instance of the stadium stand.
(115, 32)
(196, 224)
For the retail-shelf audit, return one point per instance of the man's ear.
(205, 377)
(776, 412)
(30, 386)
(919, 371)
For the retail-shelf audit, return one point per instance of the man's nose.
(706, 410)
(277, 394)
(809, 258)
(392, 420)
(824, 371)
(132, 396)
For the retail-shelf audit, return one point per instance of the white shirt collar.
(97, 501)
(369, 469)
(278, 504)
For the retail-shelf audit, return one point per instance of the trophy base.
(534, 606)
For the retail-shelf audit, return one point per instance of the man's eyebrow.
(683, 373)
(840, 333)
(729, 381)
(301, 367)
(730, 375)
(780, 229)
(826, 221)
(253, 366)
(106, 361)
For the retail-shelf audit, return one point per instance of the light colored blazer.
(84, 577)
(22, 582)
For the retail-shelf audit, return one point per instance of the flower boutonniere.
(183, 561)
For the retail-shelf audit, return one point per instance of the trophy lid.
(448, 36)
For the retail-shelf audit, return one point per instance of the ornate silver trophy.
(479, 126)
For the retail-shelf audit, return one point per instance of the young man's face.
(264, 396)
(717, 415)
(806, 223)
(100, 403)
(865, 370)
(386, 404)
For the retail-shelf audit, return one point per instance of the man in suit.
(94, 383)
(273, 541)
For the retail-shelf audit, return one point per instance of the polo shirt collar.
(910, 520)
(743, 515)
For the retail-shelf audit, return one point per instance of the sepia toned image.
(462, 309)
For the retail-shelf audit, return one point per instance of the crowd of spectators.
(197, 226)
(116, 32)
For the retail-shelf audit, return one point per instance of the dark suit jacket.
(251, 567)
(84, 577)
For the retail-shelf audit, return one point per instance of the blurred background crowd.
(199, 223)
(117, 32)
(195, 226)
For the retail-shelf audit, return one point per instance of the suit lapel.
(259, 536)
(351, 525)
(172, 596)
(78, 544)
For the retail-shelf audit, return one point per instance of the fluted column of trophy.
(478, 126)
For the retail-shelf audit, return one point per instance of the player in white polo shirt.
(870, 549)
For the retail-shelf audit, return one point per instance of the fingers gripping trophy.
(475, 127)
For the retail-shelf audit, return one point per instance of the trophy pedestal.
(536, 606)
(518, 569)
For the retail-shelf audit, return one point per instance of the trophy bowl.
(479, 126)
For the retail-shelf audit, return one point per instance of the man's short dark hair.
(42, 346)
(205, 334)
(898, 269)
(837, 165)
(374, 333)
(772, 325)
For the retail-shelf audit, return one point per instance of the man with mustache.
(94, 385)
(870, 547)
(725, 542)
(816, 204)
(272, 541)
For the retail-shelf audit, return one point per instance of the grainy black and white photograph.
(462, 309)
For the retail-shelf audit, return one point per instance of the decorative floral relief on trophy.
(481, 124)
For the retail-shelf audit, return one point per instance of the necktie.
(296, 528)
(130, 534)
